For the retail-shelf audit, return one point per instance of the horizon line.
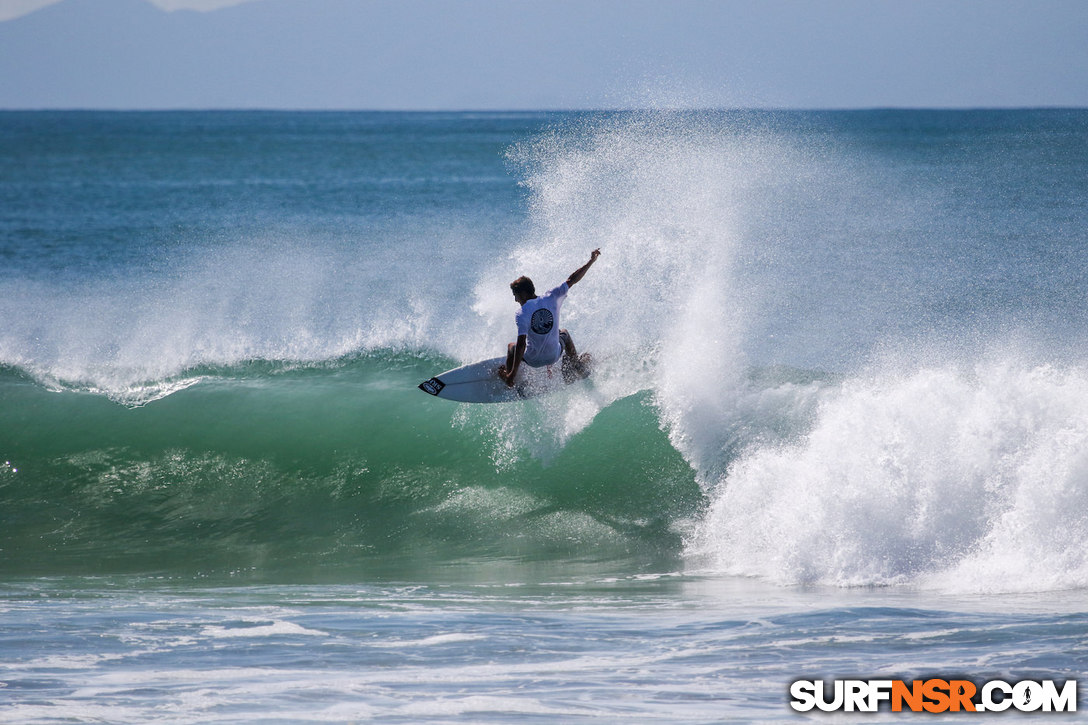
(566, 109)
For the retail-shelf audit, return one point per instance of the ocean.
(837, 426)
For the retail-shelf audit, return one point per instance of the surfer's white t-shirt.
(538, 320)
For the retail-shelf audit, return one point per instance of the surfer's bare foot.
(576, 368)
(585, 362)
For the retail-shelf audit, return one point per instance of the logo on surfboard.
(433, 386)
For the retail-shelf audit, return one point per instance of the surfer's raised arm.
(577, 275)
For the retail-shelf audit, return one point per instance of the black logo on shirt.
(542, 321)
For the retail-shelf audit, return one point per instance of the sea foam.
(960, 478)
(665, 197)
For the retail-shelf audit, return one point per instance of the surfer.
(541, 342)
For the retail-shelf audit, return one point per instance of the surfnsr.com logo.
(934, 695)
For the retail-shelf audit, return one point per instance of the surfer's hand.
(594, 254)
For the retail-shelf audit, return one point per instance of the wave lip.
(962, 480)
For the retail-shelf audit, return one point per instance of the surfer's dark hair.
(523, 285)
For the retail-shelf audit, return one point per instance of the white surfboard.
(479, 383)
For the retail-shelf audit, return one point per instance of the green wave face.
(332, 472)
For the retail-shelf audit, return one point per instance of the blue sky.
(527, 54)
(14, 8)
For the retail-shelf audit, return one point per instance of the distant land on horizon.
(546, 55)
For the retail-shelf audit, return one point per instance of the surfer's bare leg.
(575, 366)
(568, 344)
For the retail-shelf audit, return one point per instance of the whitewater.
(837, 426)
